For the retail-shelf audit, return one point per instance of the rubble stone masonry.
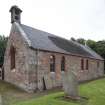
(34, 65)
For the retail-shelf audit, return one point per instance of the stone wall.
(19, 75)
(72, 63)
(32, 69)
(32, 66)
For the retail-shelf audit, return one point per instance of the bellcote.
(15, 14)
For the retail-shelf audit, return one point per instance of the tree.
(81, 41)
(3, 42)
(101, 48)
(92, 44)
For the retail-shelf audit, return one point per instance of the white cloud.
(66, 18)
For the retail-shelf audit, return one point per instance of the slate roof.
(45, 41)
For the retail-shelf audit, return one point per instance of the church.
(35, 60)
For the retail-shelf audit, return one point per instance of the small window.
(12, 57)
(16, 17)
(63, 64)
(52, 63)
(82, 64)
(87, 64)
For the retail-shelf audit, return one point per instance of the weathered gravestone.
(48, 81)
(70, 85)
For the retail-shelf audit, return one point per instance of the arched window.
(63, 64)
(12, 57)
(82, 64)
(87, 64)
(52, 63)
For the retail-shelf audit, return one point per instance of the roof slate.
(46, 41)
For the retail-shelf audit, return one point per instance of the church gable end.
(16, 58)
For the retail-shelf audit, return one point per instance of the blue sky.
(65, 18)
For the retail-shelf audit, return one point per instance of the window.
(16, 17)
(12, 57)
(52, 63)
(87, 64)
(63, 64)
(82, 64)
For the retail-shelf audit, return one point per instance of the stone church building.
(35, 60)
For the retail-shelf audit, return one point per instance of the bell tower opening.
(15, 14)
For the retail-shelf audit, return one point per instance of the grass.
(11, 94)
(94, 92)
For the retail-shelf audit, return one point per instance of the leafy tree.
(92, 44)
(3, 42)
(100, 48)
(81, 41)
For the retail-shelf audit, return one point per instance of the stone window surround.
(84, 64)
(53, 72)
(52, 63)
(63, 63)
(87, 64)
(12, 58)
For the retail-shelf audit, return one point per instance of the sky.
(65, 18)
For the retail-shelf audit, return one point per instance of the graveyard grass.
(94, 93)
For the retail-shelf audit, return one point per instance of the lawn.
(94, 93)
(11, 95)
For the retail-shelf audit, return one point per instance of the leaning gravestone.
(70, 84)
(48, 81)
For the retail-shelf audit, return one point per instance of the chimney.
(15, 14)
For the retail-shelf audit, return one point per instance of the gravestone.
(45, 83)
(48, 81)
(70, 84)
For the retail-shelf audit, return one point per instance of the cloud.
(66, 18)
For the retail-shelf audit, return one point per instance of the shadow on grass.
(81, 101)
